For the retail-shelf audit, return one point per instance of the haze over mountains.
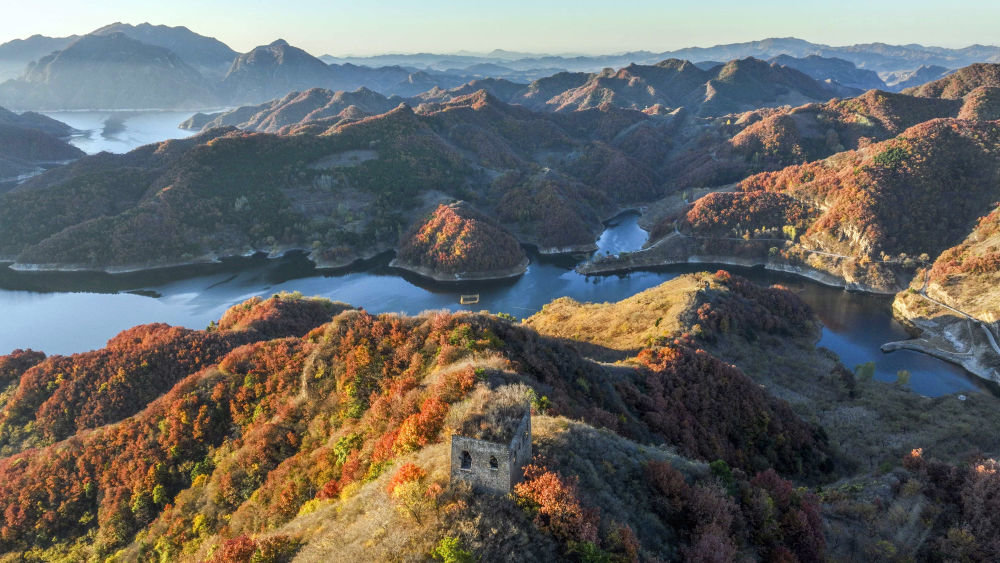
(878, 57)
(29, 142)
(172, 67)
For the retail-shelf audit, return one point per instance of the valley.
(613, 300)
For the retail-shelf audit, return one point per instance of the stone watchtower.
(489, 464)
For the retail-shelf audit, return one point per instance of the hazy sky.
(587, 26)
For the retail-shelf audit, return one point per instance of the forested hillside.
(302, 428)
(337, 179)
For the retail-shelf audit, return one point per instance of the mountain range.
(698, 420)
(879, 57)
(667, 86)
(331, 156)
(154, 69)
(342, 166)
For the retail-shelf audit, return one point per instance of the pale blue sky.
(378, 26)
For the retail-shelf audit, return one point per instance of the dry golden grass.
(627, 325)
(365, 525)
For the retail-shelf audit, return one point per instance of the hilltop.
(288, 426)
(960, 83)
(208, 55)
(297, 108)
(17, 53)
(270, 71)
(834, 70)
(457, 242)
(273, 70)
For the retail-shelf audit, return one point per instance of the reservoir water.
(121, 131)
(64, 313)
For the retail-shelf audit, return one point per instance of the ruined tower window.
(466, 460)
(494, 464)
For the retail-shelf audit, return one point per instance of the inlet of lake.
(64, 313)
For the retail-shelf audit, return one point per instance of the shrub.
(449, 550)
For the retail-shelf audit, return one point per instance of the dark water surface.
(63, 313)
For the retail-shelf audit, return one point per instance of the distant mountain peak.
(279, 43)
(678, 64)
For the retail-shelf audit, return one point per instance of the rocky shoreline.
(956, 340)
(619, 265)
(320, 263)
(430, 273)
(212, 258)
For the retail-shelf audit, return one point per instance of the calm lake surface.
(63, 313)
(122, 131)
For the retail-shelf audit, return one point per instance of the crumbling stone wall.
(489, 466)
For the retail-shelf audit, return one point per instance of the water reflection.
(66, 313)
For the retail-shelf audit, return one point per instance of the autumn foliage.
(898, 196)
(969, 506)
(455, 240)
(727, 214)
(13, 365)
(555, 502)
(254, 432)
(679, 399)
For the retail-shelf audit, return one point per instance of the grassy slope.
(626, 326)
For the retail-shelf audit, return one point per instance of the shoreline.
(430, 274)
(205, 260)
(921, 345)
(807, 272)
(918, 344)
(571, 249)
(320, 264)
(940, 338)
(970, 364)
(277, 253)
